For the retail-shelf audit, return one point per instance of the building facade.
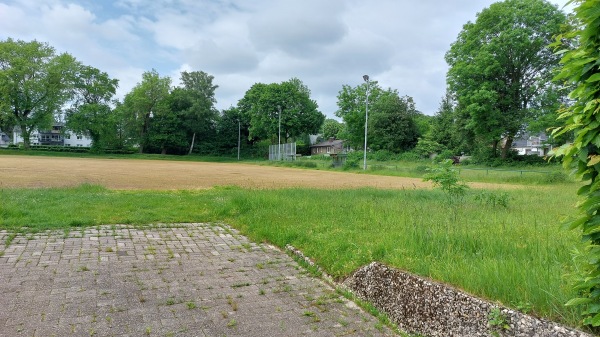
(56, 136)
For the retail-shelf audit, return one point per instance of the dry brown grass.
(24, 171)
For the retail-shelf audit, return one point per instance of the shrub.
(409, 156)
(351, 163)
(426, 147)
(446, 177)
(384, 155)
(377, 167)
(556, 177)
(308, 164)
(421, 169)
(443, 156)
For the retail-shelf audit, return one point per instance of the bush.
(443, 156)
(445, 177)
(422, 169)
(408, 156)
(60, 148)
(377, 167)
(426, 147)
(351, 163)
(308, 164)
(355, 155)
(119, 151)
(556, 177)
(383, 155)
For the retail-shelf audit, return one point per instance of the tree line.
(499, 86)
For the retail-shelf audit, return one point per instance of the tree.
(90, 112)
(443, 126)
(265, 104)
(582, 69)
(351, 108)
(34, 84)
(392, 124)
(166, 128)
(501, 64)
(148, 98)
(331, 128)
(230, 122)
(200, 116)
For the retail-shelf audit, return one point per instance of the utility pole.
(279, 146)
(366, 78)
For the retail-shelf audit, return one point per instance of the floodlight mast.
(366, 78)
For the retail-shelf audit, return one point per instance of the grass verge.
(515, 254)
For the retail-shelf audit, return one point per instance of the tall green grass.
(516, 255)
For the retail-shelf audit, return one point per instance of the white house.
(55, 136)
(532, 144)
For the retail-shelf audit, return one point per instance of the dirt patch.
(25, 171)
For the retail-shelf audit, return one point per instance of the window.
(79, 137)
(68, 136)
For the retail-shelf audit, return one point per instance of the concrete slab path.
(176, 280)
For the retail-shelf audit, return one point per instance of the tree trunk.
(26, 134)
(163, 150)
(495, 148)
(507, 146)
(144, 131)
(192, 146)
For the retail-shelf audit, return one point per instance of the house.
(4, 140)
(331, 146)
(57, 136)
(532, 144)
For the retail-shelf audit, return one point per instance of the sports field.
(23, 171)
(138, 174)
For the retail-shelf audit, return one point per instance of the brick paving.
(176, 280)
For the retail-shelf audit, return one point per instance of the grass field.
(516, 254)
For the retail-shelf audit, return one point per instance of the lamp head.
(366, 78)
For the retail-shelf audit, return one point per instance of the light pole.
(279, 141)
(239, 137)
(366, 78)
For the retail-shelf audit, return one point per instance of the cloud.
(326, 44)
(297, 27)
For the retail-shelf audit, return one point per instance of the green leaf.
(575, 223)
(578, 301)
(596, 320)
(594, 78)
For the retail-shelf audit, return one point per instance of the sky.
(325, 43)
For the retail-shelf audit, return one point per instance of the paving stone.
(176, 280)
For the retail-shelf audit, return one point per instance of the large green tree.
(331, 128)
(231, 127)
(263, 104)
(91, 112)
(351, 103)
(391, 124)
(147, 99)
(35, 83)
(200, 117)
(581, 69)
(501, 65)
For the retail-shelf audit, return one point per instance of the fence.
(282, 152)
